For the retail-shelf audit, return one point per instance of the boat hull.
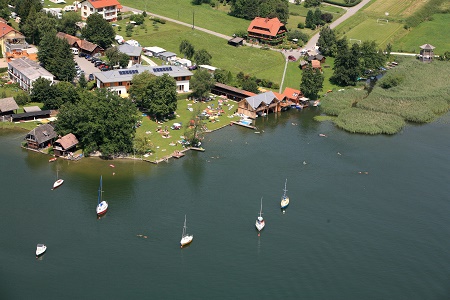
(40, 250)
(284, 202)
(186, 240)
(58, 183)
(260, 225)
(102, 208)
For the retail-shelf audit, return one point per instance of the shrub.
(301, 25)
(22, 98)
(390, 80)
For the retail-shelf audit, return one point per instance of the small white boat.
(284, 198)
(102, 206)
(40, 249)
(58, 182)
(186, 239)
(260, 223)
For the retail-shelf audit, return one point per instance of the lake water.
(345, 235)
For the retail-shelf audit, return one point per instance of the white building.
(106, 8)
(120, 80)
(56, 12)
(25, 71)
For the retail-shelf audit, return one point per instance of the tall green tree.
(309, 21)
(102, 121)
(98, 31)
(29, 28)
(155, 94)
(116, 57)
(346, 65)
(249, 9)
(327, 42)
(201, 83)
(68, 22)
(187, 49)
(4, 10)
(202, 57)
(312, 82)
(23, 7)
(250, 84)
(43, 91)
(370, 57)
(223, 76)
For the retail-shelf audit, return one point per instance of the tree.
(65, 92)
(310, 3)
(201, 83)
(250, 84)
(23, 8)
(68, 22)
(4, 10)
(346, 65)
(309, 22)
(56, 57)
(116, 57)
(370, 57)
(98, 31)
(43, 91)
(312, 82)
(22, 98)
(249, 9)
(102, 121)
(82, 82)
(187, 49)
(326, 17)
(202, 57)
(223, 76)
(139, 19)
(327, 42)
(156, 94)
(318, 17)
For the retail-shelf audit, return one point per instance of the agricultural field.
(435, 32)
(395, 9)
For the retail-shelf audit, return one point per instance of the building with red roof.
(11, 40)
(267, 31)
(108, 9)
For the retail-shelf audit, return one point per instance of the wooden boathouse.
(260, 104)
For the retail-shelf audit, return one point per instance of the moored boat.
(40, 249)
(186, 239)
(58, 181)
(284, 198)
(102, 206)
(260, 223)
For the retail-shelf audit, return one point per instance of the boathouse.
(41, 137)
(258, 105)
(8, 106)
(65, 144)
(230, 92)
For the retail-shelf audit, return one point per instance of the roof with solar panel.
(127, 74)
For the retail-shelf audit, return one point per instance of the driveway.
(85, 65)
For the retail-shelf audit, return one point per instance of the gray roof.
(8, 104)
(127, 74)
(167, 54)
(130, 50)
(31, 69)
(28, 109)
(427, 47)
(256, 100)
(42, 133)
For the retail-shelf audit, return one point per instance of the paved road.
(350, 12)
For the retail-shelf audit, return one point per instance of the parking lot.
(86, 66)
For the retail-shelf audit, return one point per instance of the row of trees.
(317, 18)
(249, 9)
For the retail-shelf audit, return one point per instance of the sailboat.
(260, 220)
(284, 198)
(58, 182)
(185, 238)
(102, 206)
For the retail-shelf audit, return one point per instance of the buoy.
(259, 234)
(284, 212)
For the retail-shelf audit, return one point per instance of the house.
(292, 95)
(230, 92)
(267, 31)
(25, 71)
(153, 51)
(41, 137)
(120, 80)
(133, 52)
(8, 106)
(303, 64)
(259, 104)
(11, 40)
(167, 56)
(83, 46)
(65, 144)
(236, 41)
(315, 64)
(321, 58)
(108, 9)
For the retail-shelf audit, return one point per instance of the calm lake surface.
(345, 235)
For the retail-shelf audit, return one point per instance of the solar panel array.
(128, 72)
(165, 69)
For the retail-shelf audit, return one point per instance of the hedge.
(339, 3)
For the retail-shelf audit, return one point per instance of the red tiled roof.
(291, 93)
(67, 141)
(279, 96)
(72, 40)
(104, 3)
(87, 46)
(5, 29)
(265, 26)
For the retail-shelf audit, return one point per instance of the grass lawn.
(435, 32)
(166, 146)
(256, 62)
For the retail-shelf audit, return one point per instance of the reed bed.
(334, 103)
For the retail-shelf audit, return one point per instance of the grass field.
(435, 32)
(395, 8)
(382, 33)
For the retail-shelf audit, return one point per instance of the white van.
(74, 51)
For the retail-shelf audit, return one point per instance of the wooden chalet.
(267, 31)
(8, 106)
(83, 46)
(41, 137)
(230, 92)
(65, 144)
(259, 105)
(293, 96)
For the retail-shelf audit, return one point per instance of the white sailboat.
(40, 249)
(284, 198)
(58, 182)
(186, 239)
(102, 206)
(260, 223)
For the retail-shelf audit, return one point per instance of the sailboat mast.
(285, 190)
(260, 211)
(100, 191)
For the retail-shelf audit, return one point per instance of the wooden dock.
(243, 125)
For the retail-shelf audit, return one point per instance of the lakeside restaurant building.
(119, 80)
(267, 31)
(259, 104)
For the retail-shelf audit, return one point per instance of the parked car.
(193, 67)
(105, 68)
(81, 54)
(87, 56)
(98, 63)
(291, 58)
(91, 77)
